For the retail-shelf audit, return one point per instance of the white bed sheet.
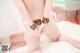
(19, 50)
(69, 29)
(60, 47)
(57, 47)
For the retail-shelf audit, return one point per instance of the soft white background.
(10, 19)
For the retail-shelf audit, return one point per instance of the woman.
(54, 31)
(29, 13)
(46, 29)
(28, 9)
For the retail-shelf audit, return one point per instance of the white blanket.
(60, 47)
(65, 28)
(57, 47)
(69, 29)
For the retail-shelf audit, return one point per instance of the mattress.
(50, 47)
(56, 47)
(69, 29)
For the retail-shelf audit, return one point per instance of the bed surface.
(66, 28)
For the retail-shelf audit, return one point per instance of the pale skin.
(35, 8)
(33, 39)
(62, 16)
(17, 40)
(51, 30)
(33, 14)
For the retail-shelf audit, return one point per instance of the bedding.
(69, 29)
(59, 46)
(11, 18)
(23, 49)
(51, 47)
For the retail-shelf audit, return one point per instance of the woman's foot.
(17, 40)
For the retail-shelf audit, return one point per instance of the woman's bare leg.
(53, 33)
(50, 30)
(30, 36)
(35, 8)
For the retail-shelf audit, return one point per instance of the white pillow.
(20, 50)
(60, 47)
(69, 29)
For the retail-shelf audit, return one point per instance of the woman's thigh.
(35, 7)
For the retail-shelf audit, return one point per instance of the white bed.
(69, 29)
(57, 47)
